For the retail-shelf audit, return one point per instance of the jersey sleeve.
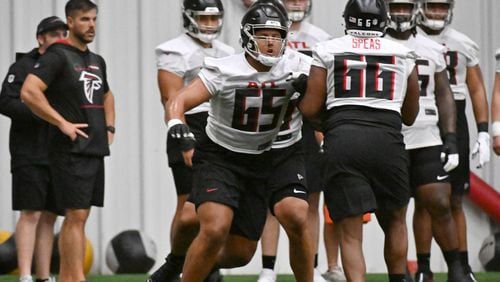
(410, 62)
(472, 54)
(48, 67)
(171, 61)
(440, 61)
(319, 57)
(212, 78)
(497, 56)
(10, 100)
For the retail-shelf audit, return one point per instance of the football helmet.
(279, 4)
(365, 18)
(296, 11)
(194, 8)
(402, 21)
(263, 16)
(433, 23)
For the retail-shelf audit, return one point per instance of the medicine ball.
(131, 251)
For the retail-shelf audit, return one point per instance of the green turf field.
(439, 277)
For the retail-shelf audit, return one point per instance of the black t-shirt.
(28, 133)
(76, 83)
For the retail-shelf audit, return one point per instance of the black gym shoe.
(169, 271)
(214, 276)
(424, 277)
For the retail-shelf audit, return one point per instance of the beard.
(84, 37)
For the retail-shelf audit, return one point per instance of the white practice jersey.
(425, 131)
(461, 53)
(497, 56)
(301, 40)
(247, 107)
(370, 72)
(184, 57)
(304, 39)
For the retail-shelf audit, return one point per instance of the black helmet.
(298, 13)
(193, 8)
(365, 18)
(279, 4)
(263, 16)
(432, 23)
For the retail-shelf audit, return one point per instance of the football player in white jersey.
(368, 87)
(429, 180)
(179, 61)
(302, 37)
(248, 94)
(495, 108)
(231, 28)
(465, 78)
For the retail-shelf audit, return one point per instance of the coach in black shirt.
(68, 88)
(32, 192)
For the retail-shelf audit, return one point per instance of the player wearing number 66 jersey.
(248, 94)
(368, 85)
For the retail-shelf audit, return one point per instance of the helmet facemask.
(252, 46)
(402, 14)
(298, 11)
(431, 16)
(204, 33)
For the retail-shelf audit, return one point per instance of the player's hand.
(496, 145)
(72, 130)
(482, 148)
(183, 135)
(111, 138)
(300, 84)
(188, 157)
(449, 154)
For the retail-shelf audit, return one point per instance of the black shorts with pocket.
(78, 180)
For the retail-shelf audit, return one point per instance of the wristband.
(482, 127)
(495, 128)
(173, 122)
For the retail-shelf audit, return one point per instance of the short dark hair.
(79, 5)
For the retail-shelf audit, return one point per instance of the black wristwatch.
(111, 129)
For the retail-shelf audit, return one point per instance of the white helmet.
(402, 21)
(435, 24)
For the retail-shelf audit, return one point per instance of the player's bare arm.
(187, 98)
(495, 114)
(445, 103)
(169, 84)
(32, 95)
(314, 98)
(477, 91)
(109, 114)
(410, 107)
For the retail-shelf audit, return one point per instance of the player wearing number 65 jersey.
(429, 180)
(465, 78)
(368, 85)
(248, 94)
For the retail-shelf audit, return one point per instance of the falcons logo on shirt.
(91, 82)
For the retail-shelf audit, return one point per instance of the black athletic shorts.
(78, 180)
(366, 169)
(32, 189)
(288, 175)
(314, 160)
(197, 123)
(183, 178)
(426, 167)
(236, 180)
(460, 175)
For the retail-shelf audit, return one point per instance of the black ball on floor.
(131, 251)
(489, 254)
(8, 253)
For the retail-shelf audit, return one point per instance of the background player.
(465, 79)
(495, 108)
(179, 61)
